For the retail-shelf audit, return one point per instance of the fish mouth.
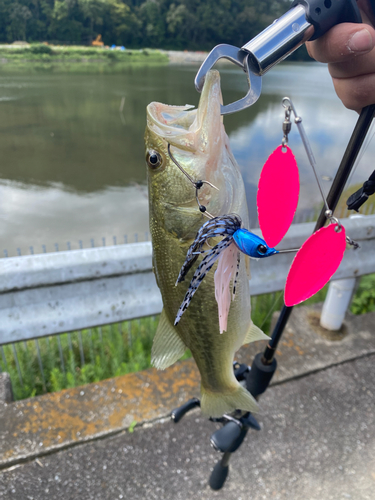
(199, 144)
(171, 123)
(186, 127)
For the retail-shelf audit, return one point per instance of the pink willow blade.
(314, 264)
(278, 192)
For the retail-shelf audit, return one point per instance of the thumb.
(342, 42)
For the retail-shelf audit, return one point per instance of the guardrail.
(59, 292)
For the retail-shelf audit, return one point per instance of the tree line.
(168, 24)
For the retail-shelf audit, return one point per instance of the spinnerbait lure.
(228, 226)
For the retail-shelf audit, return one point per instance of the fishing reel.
(357, 199)
(229, 438)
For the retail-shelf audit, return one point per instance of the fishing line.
(363, 151)
(280, 294)
(197, 184)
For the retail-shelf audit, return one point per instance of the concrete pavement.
(317, 441)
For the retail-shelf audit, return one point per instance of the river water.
(72, 169)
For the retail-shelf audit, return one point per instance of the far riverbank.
(21, 56)
(77, 59)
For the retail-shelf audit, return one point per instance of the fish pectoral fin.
(254, 333)
(167, 347)
(215, 404)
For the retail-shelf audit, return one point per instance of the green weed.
(40, 57)
(364, 298)
(78, 358)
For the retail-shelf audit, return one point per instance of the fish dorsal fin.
(254, 333)
(167, 347)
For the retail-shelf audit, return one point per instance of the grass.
(113, 350)
(88, 356)
(364, 298)
(40, 57)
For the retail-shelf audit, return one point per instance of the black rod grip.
(260, 375)
(218, 476)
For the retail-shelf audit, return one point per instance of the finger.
(342, 42)
(357, 92)
(356, 66)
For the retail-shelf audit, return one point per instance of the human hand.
(349, 50)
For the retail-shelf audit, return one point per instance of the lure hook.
(197, 184)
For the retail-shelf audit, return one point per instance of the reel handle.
(178, 413)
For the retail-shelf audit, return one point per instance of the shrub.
(41, 49)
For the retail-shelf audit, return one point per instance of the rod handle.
(260, 375)
(218, 476)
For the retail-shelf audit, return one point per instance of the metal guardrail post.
(339, 296)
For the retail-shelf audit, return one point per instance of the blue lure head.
(252, 245)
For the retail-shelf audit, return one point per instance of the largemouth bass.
(200, 145)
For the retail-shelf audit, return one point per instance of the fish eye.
(153, 159)
(262, 249)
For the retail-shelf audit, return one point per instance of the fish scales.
(199, 143)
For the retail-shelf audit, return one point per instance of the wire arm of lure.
(288, 250)
(289, 107)
(197, 184)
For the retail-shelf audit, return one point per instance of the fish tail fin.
(215, 404)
